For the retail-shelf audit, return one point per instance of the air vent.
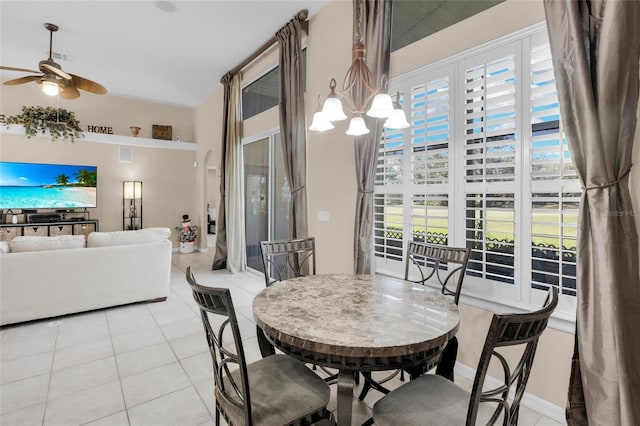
(126, 155)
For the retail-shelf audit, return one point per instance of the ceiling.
(167, 52)
(175, 52)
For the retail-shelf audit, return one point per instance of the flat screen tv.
(47, 186)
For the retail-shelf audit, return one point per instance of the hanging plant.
(60, 123)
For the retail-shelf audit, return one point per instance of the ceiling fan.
(52, 80)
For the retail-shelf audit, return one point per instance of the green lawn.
(499, 224)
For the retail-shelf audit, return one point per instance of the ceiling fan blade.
(69, 92)
(17, 69)
(22, 80)
(88, 85)
(56, 71)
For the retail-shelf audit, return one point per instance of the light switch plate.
(323, 216)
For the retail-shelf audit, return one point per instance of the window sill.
(560, 320)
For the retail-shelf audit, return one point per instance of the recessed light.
(166, 6)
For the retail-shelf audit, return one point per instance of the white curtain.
(234, 183)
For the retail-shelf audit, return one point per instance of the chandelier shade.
(397, 119)
(357, 126)
(381, 107)
(320, 123)
(332, 109)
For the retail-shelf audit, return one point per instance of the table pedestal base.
(345, 397)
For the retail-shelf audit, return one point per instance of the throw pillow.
(4, 247)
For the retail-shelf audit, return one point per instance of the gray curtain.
(292, 124)
(220, 256)
(376, 27)
(230, 244)
(595, 47)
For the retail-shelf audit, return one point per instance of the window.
(484, 165)
(262, 94)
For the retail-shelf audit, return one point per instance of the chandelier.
(358, 91)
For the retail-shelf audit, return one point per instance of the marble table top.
(356, 315)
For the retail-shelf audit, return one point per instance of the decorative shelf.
(17, 129)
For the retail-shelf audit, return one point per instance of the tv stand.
(72, 226)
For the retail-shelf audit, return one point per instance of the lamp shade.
(132, 190)
(50, 88)
(397, 120)
(357, 127)
(332, 109)
(320, 123)
(381, 107)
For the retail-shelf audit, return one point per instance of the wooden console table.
(48, 229)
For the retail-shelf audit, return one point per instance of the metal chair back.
(284, 259)
(509, 330)
(434, 260)
(217, 301)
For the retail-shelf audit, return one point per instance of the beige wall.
(208, 130)
(168, 175)
(331, 179)
(104, 110)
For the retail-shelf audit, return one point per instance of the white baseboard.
(533, 402)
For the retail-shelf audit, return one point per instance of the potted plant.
(60, 123)
(188, 235)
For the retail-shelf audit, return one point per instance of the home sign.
(108, 130)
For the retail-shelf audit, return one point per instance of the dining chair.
(284, 259)
(277, 390)
(433, 400)
(444, 267)
(281, 260)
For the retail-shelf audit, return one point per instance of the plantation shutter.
(430, 132)
(554, 212)
(388, 226)
(490, 151)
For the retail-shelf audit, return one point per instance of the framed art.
(161, 132)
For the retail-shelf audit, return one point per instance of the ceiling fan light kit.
(53, 81)
(50, 87)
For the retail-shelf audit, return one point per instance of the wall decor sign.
(161, 132)
(107, 130)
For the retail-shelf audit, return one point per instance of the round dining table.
(356, 323)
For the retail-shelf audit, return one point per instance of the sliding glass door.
(266, 195)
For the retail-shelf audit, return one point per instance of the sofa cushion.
(4, 247)
(119, 238)
(59, 242)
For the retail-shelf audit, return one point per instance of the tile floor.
(140, 364)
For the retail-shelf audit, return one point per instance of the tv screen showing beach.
(47, 186)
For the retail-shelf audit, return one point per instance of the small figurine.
(186, 224)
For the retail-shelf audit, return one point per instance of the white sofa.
(41, 278)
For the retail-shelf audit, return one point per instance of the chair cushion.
(282, 391)
(428, 400)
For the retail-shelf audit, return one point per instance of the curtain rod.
(300, 17)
